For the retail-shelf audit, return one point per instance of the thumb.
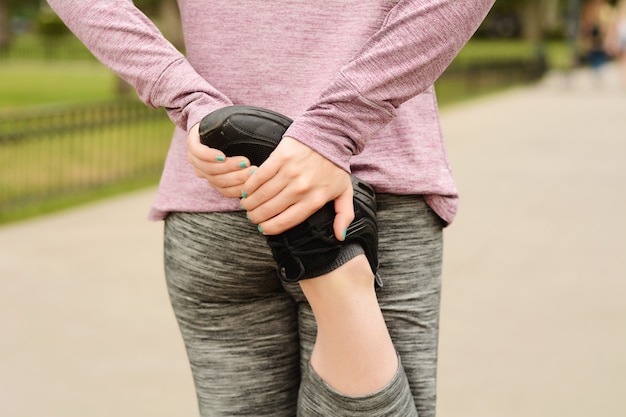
(344, 209)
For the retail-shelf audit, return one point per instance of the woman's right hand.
(226, 174)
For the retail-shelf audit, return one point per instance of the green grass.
(32, 46)
(452, 90)
(35, 72)
(37, 83)
(558, 53)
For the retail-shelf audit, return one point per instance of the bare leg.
(353, 352)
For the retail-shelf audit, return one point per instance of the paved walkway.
(534, 311)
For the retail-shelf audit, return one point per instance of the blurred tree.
(532, 18)
(5, 25)
(52, 31)
(26, 8)
(29, 9)
(169, 18)
(13, 9)
(149, 7)
(49, 25)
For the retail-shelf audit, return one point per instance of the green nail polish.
(248, 217)
(252, 171)
(345, 232)
(220, 158)
(243, 164)
(244, 194)
(260, 229)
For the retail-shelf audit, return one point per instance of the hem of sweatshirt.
(444, 206)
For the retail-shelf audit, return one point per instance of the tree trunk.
(169, 16)
(532, 19)
(5, 25)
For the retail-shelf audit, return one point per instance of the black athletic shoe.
(299, 252)
(306, 250)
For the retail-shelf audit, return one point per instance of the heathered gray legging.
(249, 337)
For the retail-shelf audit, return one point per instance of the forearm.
(126, 41)
(412, 48)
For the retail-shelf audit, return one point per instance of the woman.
(594, 21)
(357, 80)
(616, 39)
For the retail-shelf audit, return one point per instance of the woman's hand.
(226, 174)
(293, 183)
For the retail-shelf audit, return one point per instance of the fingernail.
(243, 164)
(260, 229)
(220, 158)
(252, 171)
(244, 194)
(241, 206)
(248, 217)
(345, 232)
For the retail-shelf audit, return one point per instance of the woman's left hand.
(293, 183)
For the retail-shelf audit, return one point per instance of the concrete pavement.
(533, 316)
(85, 325)
(534, 313)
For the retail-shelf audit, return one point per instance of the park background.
(77, 148)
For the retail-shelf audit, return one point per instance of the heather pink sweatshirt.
(356, 76)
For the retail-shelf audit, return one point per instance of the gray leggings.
(249, 337)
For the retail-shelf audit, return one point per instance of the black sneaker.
(299, 252)
(306, 249)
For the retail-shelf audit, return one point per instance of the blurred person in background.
(616, 38)
(595, 20)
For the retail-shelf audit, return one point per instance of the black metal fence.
(57, 154)
(479, 75)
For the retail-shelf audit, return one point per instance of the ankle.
(354, 277)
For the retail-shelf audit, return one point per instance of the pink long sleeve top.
(356, 76)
